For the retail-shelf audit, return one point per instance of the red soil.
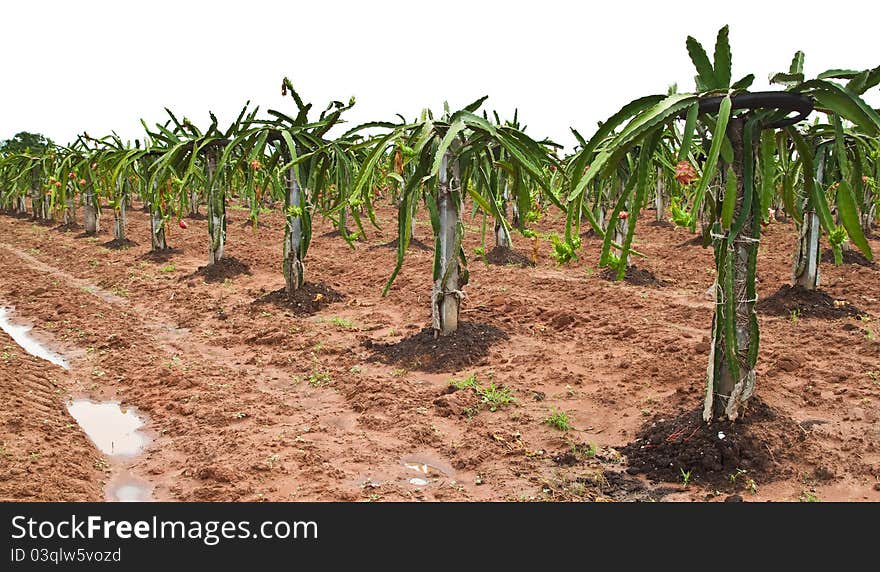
(253, 397)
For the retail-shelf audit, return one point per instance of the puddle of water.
(127, 488)
(29, 344)
(113, 430)
(426, 465)
(420, 467)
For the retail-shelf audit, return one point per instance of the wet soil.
(43, 454)
(161, 255)
(68, 227)
(116, 244)
(306, 300)
(695, 240)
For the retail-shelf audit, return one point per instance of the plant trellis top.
(472, 143)
(646, 119)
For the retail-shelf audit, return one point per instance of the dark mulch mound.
(15, 214)
(161, 255)
(635, 276)
(335, 233)
(589, 233)
(247, 223)
(117, 244)
(197, 216)
(755, 443)
(623, 487)
(661, 224)
(90, 234)
(413, 243)
(228, 267)
(421, 351)
(809, 304)
(697, 240)
(307, 300)
(68, 227)
(503, 256)
(849, 257)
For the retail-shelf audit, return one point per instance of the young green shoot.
(559, 420)
(468, 382)
(319, 378)
(341, 322)
(495, 397)
(685, 477)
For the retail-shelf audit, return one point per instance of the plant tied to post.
(293, 158)
(723, 126)
(443, 160)
(843, 174)
(192, 159)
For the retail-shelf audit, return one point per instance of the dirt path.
(250, 400)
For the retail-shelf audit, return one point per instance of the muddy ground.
(340, 395)
(44, 456)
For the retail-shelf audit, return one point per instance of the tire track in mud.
(66, 296)
(165, 332)
(36, 264)
(44, 455)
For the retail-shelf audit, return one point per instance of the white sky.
(102, 65)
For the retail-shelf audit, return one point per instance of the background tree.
(23, 141)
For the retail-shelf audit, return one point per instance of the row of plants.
(722, 160)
